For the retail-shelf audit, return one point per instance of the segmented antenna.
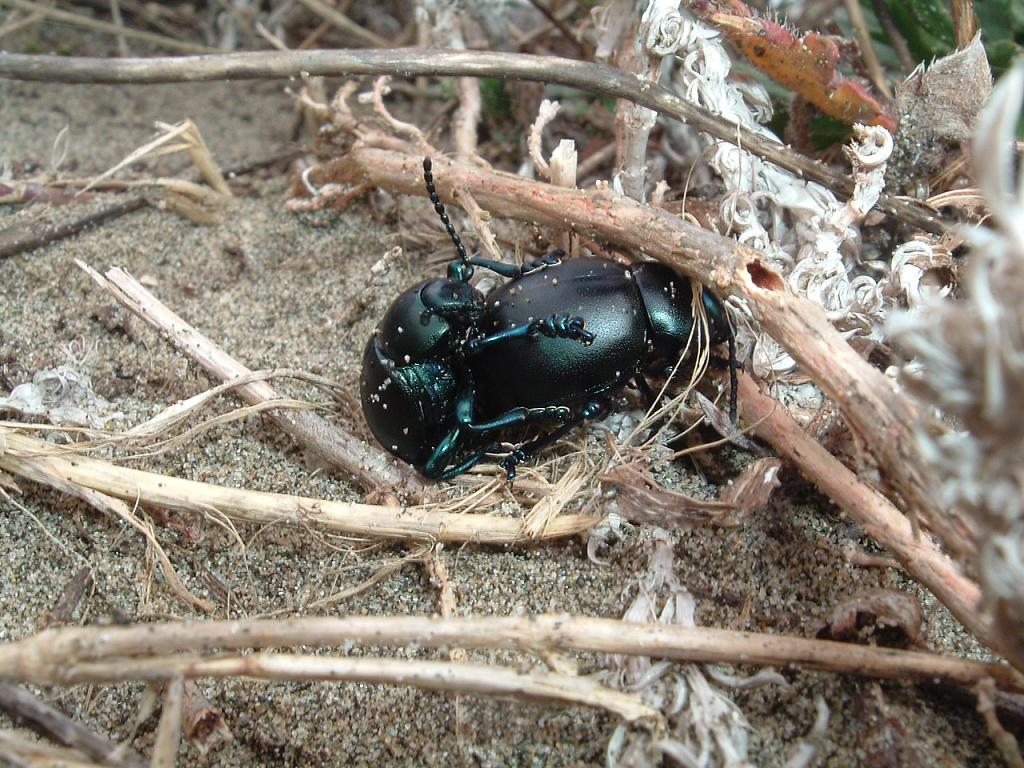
(439, 207)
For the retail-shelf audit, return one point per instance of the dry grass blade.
(183, 137)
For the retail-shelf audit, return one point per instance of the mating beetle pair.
(447, 369)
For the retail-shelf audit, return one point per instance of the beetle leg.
(595, 409)
(520, 416)
(554, 326)
(471, 461)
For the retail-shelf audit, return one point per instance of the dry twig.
(58, 656)
(589, 76)
(52, 234)
(919, 555)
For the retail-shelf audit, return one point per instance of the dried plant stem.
(867, 48)
(918, 555)
(104, 26)
(487, 680)
(57, 656)
(370, 467)
(25, 708)
(965, 25)
(32, 458)
(892, 32)
(883, 418)
(589, 76)
(168, 734)
(52, 234)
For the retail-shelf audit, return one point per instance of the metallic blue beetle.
(447, 368)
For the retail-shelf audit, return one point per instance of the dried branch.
(25, 708)
(370, 467)
(41, 461)
(884, 419)
(59, 656)
(919, 555)
(588, 76)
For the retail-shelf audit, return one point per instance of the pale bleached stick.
(46, 658)
(370, 467)
(32, 458)
(483, 679)
(883, 417)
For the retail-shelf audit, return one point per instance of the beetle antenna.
(428, 177)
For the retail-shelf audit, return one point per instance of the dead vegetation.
(827, 266)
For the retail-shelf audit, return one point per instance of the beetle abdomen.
(539, 371)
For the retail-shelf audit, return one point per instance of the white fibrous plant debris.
(705, 727)
(63, 397)
(804, 231)
(968, 362)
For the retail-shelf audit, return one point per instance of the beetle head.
(459, 303)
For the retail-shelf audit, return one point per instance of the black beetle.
(447, 366)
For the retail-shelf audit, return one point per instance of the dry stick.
(115, 15)
(884, 418)
(18, 751)
(54, 233)
(965, 24)
(47, 657)
(485, 679)
(106, 27)
(918, 555)
(370, 467)
(168, 735)
(32, 458)
(408, 62)
(23, 707)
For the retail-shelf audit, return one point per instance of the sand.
(278, 289)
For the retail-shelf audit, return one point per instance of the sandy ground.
(275, 289)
